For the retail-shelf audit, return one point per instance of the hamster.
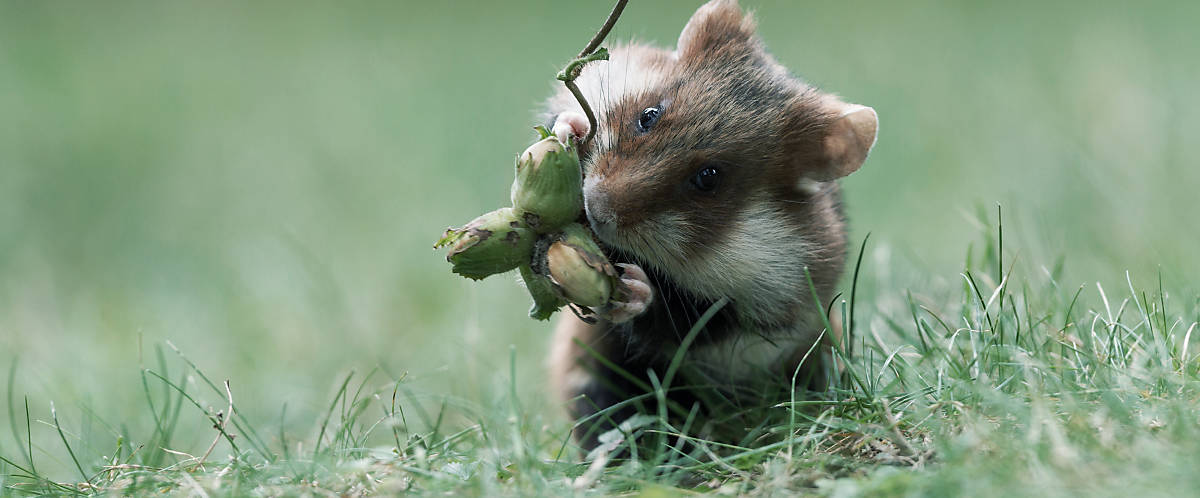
(712, 175)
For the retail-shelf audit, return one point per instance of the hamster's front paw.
(570, 124)
(638, 296)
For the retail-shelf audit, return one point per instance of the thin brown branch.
(586, 55)
(608, 26)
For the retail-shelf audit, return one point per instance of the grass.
(1021, 384)
(258, 185)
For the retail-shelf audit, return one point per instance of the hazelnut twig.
(589, 54)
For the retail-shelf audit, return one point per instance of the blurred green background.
(260, 183)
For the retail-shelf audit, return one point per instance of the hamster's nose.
(598, 208)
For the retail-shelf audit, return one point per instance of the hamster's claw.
(636, 299)
(570, 124)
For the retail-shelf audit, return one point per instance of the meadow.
(191, 194)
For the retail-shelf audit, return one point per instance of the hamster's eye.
(647, 119)
(706, 179)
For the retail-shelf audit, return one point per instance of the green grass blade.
(58, 427)
(329, 413)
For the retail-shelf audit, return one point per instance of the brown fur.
(726, 104)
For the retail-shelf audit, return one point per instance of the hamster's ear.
(830, 138)
(715, 24)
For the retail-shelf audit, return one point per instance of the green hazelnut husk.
(548, 190)
(493, 243)
(545, 297)
(579, 270)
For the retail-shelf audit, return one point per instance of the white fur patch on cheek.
(660, 240)
(759, 263)
(809, 186)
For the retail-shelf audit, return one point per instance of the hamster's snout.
(598, 208)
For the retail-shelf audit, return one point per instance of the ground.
(1020, 385)
(251, 191)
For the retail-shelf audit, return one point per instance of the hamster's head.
(713, 165)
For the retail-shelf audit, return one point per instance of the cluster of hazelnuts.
(557, 257)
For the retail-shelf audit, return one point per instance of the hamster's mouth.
(618, 246)
(606, 231)
(606, 236)
(621, 250)
(640, 243)
(598, 211)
